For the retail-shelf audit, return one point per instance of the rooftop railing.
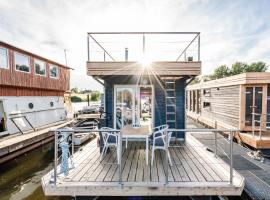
(143, 46)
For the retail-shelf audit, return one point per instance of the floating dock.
(195, 172)
(15, 145)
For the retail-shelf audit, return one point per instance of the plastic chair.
(159, 141)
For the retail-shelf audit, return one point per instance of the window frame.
(7, 57)
(44, 66)
(16, 52)
(51, 65)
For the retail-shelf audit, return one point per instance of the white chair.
(158, 142)
(110, 139)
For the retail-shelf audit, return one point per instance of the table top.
(144, 130)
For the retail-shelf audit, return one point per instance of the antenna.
(65, 51)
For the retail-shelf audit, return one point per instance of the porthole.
(31, 105)
(51, 104)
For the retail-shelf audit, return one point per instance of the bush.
(76, 99)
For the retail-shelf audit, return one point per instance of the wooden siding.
(224, 105)
(136, 68)
(12, 91)
(11, 77)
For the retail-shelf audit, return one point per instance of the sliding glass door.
(132, 105)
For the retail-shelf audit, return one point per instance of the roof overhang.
(241, 79)
(136, 68)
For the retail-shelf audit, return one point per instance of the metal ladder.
(170, 99)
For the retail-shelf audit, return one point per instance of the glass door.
(124, 106)
(133, 105)
(253, 103)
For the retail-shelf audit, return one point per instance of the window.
(53, 71)
(22, 63)
(40, 68)
(3, 58)
(207, 92)
(206, 104)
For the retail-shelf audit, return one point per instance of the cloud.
(230, 30)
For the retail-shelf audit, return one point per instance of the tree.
(257, 67)
(95, 96)
(75, 90)
(76, 99)
(238, 68)
(221, 72)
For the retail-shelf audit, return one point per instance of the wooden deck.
(194, 172)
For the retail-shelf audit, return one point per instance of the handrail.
(119, 149)
(260, 121)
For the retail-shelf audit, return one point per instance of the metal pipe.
(108, 33)
(253, 123)
(126, 54)
(167, 156)
(88, 48)
(231, 157)
(260, 127)
(199, 47)
(143, 43)
(55, 156)
(72, 142)
(120, 157)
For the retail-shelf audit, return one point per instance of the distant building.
(31, 90)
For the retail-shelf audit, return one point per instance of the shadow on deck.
(195, 171)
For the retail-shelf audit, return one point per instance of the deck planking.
(192, 167)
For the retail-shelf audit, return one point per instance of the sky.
(236, 30)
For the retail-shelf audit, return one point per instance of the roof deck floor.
(194, 172)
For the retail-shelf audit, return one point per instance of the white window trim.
(35, 68)
(57, 77)
(15, 52)
(7, 58)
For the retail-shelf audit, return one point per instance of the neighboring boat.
(31, 90)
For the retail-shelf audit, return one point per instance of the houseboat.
(142, 94)
(241, 101)
(31, 90)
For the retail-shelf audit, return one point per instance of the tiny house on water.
(31, 90)
(241, 101)
(144, 77)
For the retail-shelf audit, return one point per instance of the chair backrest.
(105, 131)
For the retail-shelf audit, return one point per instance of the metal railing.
(124, 46)
(260, 122)
(72, 131)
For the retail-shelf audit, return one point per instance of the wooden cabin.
(230, 103)
(31, 90)
(138, 97)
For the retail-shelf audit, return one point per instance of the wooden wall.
(224, 104)
(11, 77)
(13, 91)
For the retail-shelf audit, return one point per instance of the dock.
(195, 171)
(256, 173)
(17, 144)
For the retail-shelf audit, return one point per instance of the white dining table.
(142, 132)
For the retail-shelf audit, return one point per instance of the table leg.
(146, 150)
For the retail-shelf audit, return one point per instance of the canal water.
(21, 177)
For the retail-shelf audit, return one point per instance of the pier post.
(55, 156)
(231, 157)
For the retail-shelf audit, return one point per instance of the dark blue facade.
(159, 98)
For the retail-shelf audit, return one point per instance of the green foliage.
(76, 99)
(95, 96)
(75, 90)
(221, 72)
(238, 68)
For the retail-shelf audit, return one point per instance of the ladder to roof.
(170, 102)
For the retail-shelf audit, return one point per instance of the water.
(20, 178)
